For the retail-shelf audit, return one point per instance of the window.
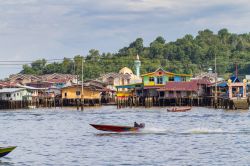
(170, 94)
(151, 79)
(7, 95)
(78, 93)
(178, 93)
(162, 94)
(183, 79)
(159, 80)
(171, 78)
(65, 94)
(110, 81)
(128, 81)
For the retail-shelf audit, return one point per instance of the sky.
(53, 29)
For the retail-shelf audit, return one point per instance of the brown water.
(201, 136)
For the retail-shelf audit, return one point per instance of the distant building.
(124, 77)
(137, 65)
(158, 80)
(15, 94)
(74, 92)
(91, 93)
(114, 79)
(40, 84)
(247, 77)
(151, 83)
(60, 80)
(7, 84)
(232, 89)
(23, 79)
(237, 90)
(193, 88)
(212, 77)
(44, 81)
(160, 77)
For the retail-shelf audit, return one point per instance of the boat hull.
(6, 150)
(113, 128)
(185, 109)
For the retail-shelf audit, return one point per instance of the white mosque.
(124, 77)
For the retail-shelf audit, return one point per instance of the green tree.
(27, 70)
(189, 54)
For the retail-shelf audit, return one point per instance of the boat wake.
(215, 131)
(146, 130)
(164, 131)
(204, 131)
(154, 130)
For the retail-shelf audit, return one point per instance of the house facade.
(151, 83)
(158, 80)
(15, 94)
(89, 91)
(23, 79)
(75, 92)
(188, 89)
(124, 77)
(232, 89)
(160, 77)
(42, 81)
(60, 80)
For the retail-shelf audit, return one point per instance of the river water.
(201, 136)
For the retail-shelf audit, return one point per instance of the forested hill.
(186, 55)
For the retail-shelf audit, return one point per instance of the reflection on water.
(64, 137)
(7, 162)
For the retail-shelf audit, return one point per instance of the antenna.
(236, 70)
(215, 70)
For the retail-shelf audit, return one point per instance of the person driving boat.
(141, 125)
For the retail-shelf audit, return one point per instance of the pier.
(220, 103)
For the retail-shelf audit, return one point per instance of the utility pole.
(215, 70)
(77, 88)
(82, 97)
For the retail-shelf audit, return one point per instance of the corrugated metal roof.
(166, 72)
(137, 85)
(248, 77)
(31, 88)
(153, 87)
(180, 86)
(10, 90)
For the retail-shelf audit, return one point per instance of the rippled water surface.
(201, 136)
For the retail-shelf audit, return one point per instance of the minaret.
(137, 65)
(210, 70)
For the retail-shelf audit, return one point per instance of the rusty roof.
(180, 86)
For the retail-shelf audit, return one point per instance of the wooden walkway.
(185, 101)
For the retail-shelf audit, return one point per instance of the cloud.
(33, 29)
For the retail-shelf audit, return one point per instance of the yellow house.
(74, 92)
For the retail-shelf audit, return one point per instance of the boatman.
(141, 125)
(136, 124)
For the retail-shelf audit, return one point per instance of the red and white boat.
(114, 128)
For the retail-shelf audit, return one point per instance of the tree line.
(189, 55)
